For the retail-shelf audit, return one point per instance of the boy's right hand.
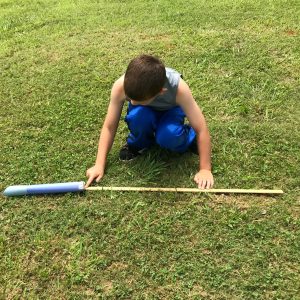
(92, 173)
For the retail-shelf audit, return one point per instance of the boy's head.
(144, 78)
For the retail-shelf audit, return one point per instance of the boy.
(159, 100)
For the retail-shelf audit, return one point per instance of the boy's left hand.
(204, 179)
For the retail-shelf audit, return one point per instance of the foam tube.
(52, 188)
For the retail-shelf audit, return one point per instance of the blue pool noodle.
(52, 188)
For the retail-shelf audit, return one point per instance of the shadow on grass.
(156, 167)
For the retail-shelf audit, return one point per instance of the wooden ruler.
(182, 190)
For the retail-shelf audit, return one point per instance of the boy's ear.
(163, 90)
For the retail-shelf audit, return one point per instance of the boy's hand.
(204, 179)
(92, 173)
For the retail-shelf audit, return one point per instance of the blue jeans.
(166, 128)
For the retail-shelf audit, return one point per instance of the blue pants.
(166, 128)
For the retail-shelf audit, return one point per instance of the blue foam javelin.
(52, 188)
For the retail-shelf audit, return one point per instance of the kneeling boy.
(158, 101)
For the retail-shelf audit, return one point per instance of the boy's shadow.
(155, 167)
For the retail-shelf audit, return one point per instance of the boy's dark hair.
(144, 78)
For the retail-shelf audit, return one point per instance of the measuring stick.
(183, 190)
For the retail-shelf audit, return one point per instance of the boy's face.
(146, 102)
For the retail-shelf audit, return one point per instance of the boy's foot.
(194, 147)
(128, 153)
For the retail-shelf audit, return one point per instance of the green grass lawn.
(58, 61)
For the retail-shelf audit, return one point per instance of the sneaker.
(194, 147)
(128, 153)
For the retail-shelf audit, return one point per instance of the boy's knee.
(168, 137)
(140, 115)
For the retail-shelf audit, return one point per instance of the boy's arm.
(108, 131)
(185, 99)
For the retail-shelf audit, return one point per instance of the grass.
(58, 60)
